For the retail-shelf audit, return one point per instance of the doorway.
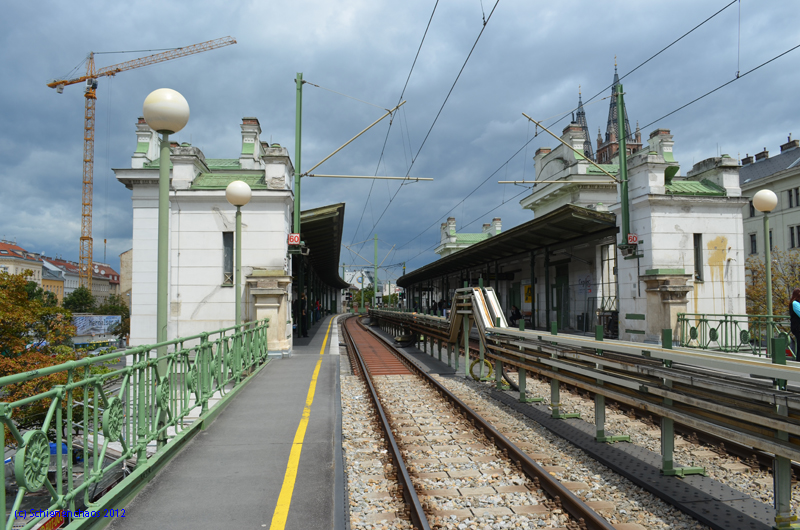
(561, 298)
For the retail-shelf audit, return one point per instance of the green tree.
(80, 300)
(25, 320)
(37, 293)
(785, 278)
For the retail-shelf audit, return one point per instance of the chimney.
(487, 229)
(251, 143)
(497, 225)
(790, 144)
(747, 160)
(763, 155)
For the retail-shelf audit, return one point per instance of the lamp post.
(167, 112)
(765, 201)
(238, 194)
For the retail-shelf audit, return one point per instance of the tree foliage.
(785, 278)
(33, 336)
(37, 293)
(25, 320)
(80, 300)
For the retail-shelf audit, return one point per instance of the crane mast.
(90, 95)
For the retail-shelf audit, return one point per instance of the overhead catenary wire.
(427, 135)
(586, 103)
(389, 129)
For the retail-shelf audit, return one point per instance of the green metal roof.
(321, 231)
(155, 164)
(704, 188)
(223, 163)
(220, 181)
(471, 238)
(611, 168)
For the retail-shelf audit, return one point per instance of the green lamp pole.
(765, 201)
(238, 194)
(167, 112)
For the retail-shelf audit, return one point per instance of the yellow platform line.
(285, 498)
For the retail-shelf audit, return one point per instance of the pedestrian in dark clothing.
(515, 315)
(304, 314)
(794, 317)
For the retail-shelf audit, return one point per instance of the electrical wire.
(413, 160)
(568, 114)
(723, 85)
(391, 121)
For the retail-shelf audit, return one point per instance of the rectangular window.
(791, 237)
(791, 198)
(752, 209)
(771, 246)
(227, 258)
(698, 257)
(797, 196)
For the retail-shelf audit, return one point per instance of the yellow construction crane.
(90, 94)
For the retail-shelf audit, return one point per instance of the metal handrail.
(133, 421)
(729, 333)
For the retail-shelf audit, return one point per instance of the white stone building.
(201, 238)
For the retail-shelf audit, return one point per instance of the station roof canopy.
(566, 226)
(321, 230)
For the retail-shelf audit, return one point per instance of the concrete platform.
(231, 475)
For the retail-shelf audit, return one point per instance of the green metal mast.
(298, 134)
(623, 168)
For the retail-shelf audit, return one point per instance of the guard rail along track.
(583, 516)
(736, 398)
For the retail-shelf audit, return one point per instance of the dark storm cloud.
(531, 58)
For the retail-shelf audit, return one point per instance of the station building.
(201, 233)
(567, 266)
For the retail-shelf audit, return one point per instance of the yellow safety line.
(285, 498)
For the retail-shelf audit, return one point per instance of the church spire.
(580, 119)
(612, 131)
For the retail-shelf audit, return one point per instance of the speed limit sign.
(633, 239)
(294, 239)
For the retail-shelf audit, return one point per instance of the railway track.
(451, 464)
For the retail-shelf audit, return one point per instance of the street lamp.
(165, 111)
(765, 201)
(238, 194)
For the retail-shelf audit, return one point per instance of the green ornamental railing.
(128, 416)
(729, 333)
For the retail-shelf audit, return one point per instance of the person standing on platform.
(304, 315)
(794, 318)
(515, 315)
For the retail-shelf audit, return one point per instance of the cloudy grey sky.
(531, 58)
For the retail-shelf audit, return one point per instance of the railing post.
(668, 425)
(141, 412)
(205, 373)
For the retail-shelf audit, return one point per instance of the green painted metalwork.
(730, 333)
(116, 417)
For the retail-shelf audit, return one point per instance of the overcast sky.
(531, 58)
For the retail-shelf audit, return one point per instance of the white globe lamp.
(238, 193)
(166, 111)
(765, 200)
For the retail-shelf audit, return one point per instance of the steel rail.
(417, 513)
(534, 354)
(536, 473)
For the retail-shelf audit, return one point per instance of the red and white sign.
(294, 239)
(633, 239)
